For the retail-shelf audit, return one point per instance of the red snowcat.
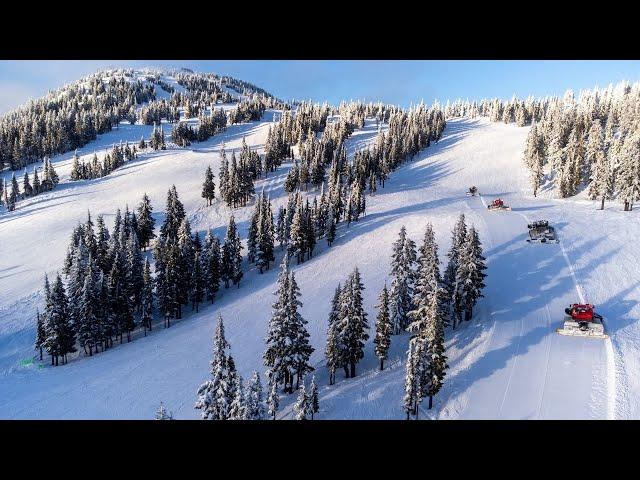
(498, 204)
(582, 321)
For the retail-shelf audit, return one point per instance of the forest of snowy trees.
(74, 115)
(590, 142)
(119, 280)
(122, 293)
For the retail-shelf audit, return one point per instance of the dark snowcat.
(542, 232)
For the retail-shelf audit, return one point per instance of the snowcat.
(541, 232)
(472, 191)
(498, 204)
(582, 321)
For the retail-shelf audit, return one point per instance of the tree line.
(592, 142)
(31, 186)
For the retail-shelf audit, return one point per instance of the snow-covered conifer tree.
(384, 328)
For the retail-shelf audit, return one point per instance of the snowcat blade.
(573, 329)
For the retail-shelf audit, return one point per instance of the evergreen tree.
(314, 405)
(470, 273)
(295, 326)
(40, 333)
(277, 350)
(232, 255)
(384, 328)
(352, 323)
(208, 187)
(212, 266)
(273, 398)
(238, 409)
(146, 298)
(402, 261)
(453, 288)
(162, 413)
(146, 222)
(301, 407)
(37, 188)
(197, 282)
(27, 189)
(216, 394)
(333, 350)
(61, 338)
(255, 404)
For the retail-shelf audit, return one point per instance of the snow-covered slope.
(507, 363)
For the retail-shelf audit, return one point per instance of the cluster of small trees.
(69, 117)
(157, 141)
(300, 224)
(225, 396)
(288, 349)
(236, 177)
(348, 326)
(30, 187)
(276, 148)
(188, 271)
(260, 241)
(154, 112)
(247, 111)
(424, 302)
(109, 289)
(183, 134)
(119, 154)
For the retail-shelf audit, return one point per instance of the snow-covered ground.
(506, 363)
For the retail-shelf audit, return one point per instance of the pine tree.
(146, 298)
(40, 333)
(238, 408)
(197, 282)
(453, 299)
(27, 189)
(162, 413)
(314, 405)
(601, 185)
(471, 272)
(212, 266)
(295, 326)
(301, 407)
(146, 222)
(384, 328)
(232, 255)
(37, 188)
(273, 398)
(352, 323)
(428, 321)
(402, 261)
(277, 350)
(216, 394)
(208, 187)
(255, 404)
(264, 235)
(88, 314)
(333, 350)
(61, 338)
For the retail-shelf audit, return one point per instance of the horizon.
(394, 82)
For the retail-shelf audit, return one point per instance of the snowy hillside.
(506, 363)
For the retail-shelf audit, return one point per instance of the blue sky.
(391, 81)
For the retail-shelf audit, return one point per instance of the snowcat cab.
(498, 204)
(582, 321)
(472, 191)
(541, 232)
